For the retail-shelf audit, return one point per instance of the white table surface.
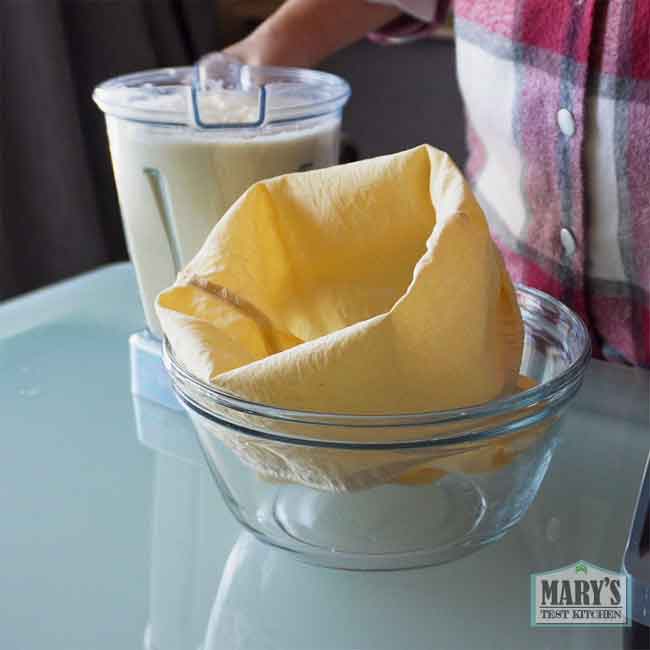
(113, 534)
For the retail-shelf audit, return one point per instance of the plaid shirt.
(557, 99)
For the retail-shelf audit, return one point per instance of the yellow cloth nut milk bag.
(367, 288)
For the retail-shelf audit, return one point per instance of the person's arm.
(303, 32)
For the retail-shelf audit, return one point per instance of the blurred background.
(59, 214)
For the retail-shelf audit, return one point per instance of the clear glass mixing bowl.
(397, 490)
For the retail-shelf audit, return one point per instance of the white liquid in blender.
(174, 184)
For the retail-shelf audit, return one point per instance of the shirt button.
(568, 241)
(566, 122)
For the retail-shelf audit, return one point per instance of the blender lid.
(221, 93)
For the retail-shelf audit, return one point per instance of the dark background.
(58, 208)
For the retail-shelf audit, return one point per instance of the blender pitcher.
(187, 142)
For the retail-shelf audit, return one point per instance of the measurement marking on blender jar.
(160, 192)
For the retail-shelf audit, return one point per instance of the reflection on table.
(214, 585)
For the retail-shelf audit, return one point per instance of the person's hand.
(249, 51)
(303, 32)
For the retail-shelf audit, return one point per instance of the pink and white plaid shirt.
(557, 99)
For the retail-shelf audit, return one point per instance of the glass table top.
(113, 534)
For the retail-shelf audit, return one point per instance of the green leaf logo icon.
(581, 567)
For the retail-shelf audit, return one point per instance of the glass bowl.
(397, 490)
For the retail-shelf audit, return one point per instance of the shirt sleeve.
(420, 19)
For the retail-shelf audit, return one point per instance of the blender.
(185, 144)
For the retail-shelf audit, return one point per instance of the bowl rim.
(565, 384)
